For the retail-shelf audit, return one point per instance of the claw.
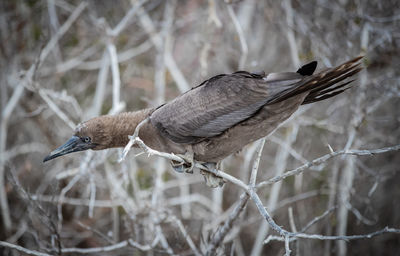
(188, 164)
(212, 180)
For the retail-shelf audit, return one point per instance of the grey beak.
(74, 144)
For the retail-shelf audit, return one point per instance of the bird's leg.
(211, 179)
(188, 164)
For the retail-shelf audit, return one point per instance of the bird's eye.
(86, 139)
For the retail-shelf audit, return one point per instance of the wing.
(226, 100)
(218, 104)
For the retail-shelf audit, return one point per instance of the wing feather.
(224, 101)
(216, 105)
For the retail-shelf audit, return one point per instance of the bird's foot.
(186, 166)
(211, 179)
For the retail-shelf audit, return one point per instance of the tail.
(324, 84)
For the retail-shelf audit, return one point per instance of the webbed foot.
(188, 164)
(211, 179)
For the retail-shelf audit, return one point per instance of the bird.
(217, 117)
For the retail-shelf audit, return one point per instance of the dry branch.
(251, 190)
(22, 249)
(325, 158)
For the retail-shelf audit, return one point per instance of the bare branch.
(63, 29)
(318, 218)
(256, 163)
(212, 14)
(22, 249)
(290, 34)
(344, 238)
(242, 38)
(126, 19)
(110, 248)
(223, 231)
(117, 105)
(56, 109)
(287, 248)
(149, 27)
(325, 158)
(11, 104)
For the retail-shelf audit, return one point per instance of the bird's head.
(93, 134)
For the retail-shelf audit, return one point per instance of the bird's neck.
(124, 124)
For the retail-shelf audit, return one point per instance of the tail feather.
(335, 78)
(321, 85)
(323, 88)
(323, 95)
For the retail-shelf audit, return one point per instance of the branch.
(287, 248)
(56, 109)
(63, 29)
(185, 234)
(251, 190)
(322, 159)
(242, 38)
(22, 249)
(134, 139)
(116, 80)
(5, 115)
(113, 247)
(212, 14)
(173, 68)
(256, 164)
(290, 34)
(318, 218)
(126, 19)
(223, 231)
(344, 238)
(285, 233)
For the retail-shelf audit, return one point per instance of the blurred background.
(63, 62)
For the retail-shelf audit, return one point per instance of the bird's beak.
(74, 144)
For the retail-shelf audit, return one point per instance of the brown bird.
(219, 116)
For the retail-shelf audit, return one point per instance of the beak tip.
(47, 158)
(74, 144)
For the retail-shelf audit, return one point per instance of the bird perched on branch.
(219, 116)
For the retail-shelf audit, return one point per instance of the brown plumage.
(217, 117)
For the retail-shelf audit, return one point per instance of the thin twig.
(325, 158)
(185, 235)
(342, 238)
(316, 219)
(22, 249)
(287, 248)
(63, 29)
(289, 32)
(5, 115)
(239, 30)
(280, 163)
(212, 14)
(176, 73)
(223, 231)
(116, 104)
(114, 247)
(256, 163)
(126, 19)
(56, 109)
